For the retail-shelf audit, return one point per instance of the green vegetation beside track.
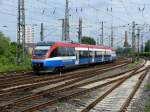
(144, 54)
(14, 67)
(8, 56)
(131, 65)
(147, 106)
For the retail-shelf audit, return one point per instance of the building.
(29, 38)
(29, 34)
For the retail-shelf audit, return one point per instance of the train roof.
(72, 44)
(45, 43)
(82, 45)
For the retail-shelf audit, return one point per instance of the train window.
(71, 51)
(103, 52)
(84, 54)
(98, 53)
(62, 51)
(54, 53)
(40, 53)
(90, 54)
(108, 52)
(81, 55)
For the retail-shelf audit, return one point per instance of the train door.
(103, 56)
(77, 57)
(105, 59)
(93, 56)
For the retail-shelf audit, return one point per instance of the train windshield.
(40, 51)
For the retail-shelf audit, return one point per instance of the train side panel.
(69, 55)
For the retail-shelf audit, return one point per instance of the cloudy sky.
(94, 11)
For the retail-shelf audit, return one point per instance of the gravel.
(139, 103)
(79, 102)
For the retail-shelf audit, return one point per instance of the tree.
(4, 43)
(88, 40)
(147, 46)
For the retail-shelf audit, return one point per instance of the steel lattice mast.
(66, 32)
(20, 31)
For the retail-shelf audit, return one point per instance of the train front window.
(41, 51)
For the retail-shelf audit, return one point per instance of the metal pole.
(18, 34)
(133, 41)
(142, 46)
(42, 32)
(133, 36)
(138, 42)
(112, 36)
(80, 30)
(63, 29)
(21, 31)
(126, 40)
(67, 21)
(126, 43)
(138, 39)
(102, 39)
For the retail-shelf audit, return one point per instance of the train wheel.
(59, 69)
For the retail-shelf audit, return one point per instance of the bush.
(144, 54)
(8, 56)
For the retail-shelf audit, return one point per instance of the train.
(51, 56)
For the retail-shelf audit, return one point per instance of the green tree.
(8, 56)
(88, 40)
(147, 46)
(4, 44)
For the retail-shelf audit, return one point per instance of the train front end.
(40, 56)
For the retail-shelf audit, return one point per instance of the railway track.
(58, 93)
(117, 98)
(51, 79)
(13, 74)
(27, 78)
(68, 80)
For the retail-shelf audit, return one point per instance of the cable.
(142, 12)
(99, 10)
(127, 12)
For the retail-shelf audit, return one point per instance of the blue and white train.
(58, 55)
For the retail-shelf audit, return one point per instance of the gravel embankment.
(139, 103)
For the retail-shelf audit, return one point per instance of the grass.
(9, 65)
(14, 67)
(147, 106)
(131, 65)
(147, 87)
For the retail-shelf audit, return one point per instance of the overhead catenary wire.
(52, 11)
(127, 12)
(141, 10)
(104, 13)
